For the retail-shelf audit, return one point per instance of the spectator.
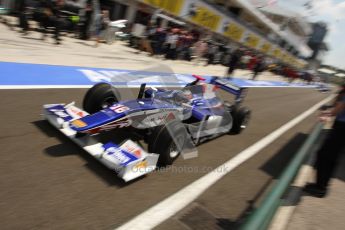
(252, 62)
(171, 42)
(307, 76)
(234, 60)
(212, 51)
(328, 154)
(146, 40)
(200, 49)
(188, 46)
(161, 37)
(182, 45)
(259, 66)
(289, 73)
(245, 59)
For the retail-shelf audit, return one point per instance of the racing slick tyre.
(168, 141)
(241, 118)
(100, 96)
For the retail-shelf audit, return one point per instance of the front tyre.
(100, 96)
(168, 141)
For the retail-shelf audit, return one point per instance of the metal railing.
(262, 216)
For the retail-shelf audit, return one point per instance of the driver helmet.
(187, 94)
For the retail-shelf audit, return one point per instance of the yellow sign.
(276, 52)
(266, 47)
(252, 40)
(173, 7)
(287, 58)
(290, 59)
(206, 18)
(283, 56)
(234, 31)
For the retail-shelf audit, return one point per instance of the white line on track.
(174, 203)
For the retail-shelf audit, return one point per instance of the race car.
(171, 122)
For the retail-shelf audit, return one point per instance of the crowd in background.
(181, 44)
(84, 19)
(89, 21)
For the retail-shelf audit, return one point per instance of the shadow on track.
(275, 166)
(199, 217)
(67, 148)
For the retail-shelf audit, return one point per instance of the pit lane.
(48, 182)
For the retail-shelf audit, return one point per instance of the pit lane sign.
(173, 7)
(266, 47)
(205, 17)
(252, 40)
(234, 31)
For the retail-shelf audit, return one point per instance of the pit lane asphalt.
(47, 182)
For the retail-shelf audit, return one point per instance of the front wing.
(128, 160)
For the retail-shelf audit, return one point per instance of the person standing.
(234, 60)
(86, 19)
(51, 17)
(328, 154)
(199, 50)
(259, 67)
(23, 21)
(212, 51)
(252, 62)
(161, 36)
(101, 25)
(171, 41)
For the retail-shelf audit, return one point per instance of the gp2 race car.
(170, 122)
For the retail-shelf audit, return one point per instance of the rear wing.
(227, 85)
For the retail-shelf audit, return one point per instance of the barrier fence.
(262, 216)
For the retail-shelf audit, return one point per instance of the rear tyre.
(241, 118)
(100, 96)
(168, 141)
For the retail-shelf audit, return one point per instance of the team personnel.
(233, 63)
(51, 17)
(23, 21)
(328, 154)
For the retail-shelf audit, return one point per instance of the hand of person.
(325, 116)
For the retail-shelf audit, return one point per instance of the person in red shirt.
(252, 62)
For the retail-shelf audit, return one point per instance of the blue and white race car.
(170, 122)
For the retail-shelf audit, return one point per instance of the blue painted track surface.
(24, 74)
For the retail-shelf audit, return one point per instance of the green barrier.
(3, 11)
(262, 216)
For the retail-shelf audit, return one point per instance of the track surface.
(49, 183)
